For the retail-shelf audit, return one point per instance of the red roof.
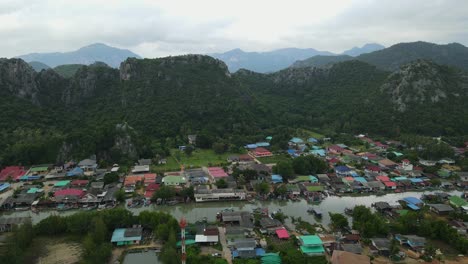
(152, 187)
(150, 178)
(334, 160)
(390, 184)
(13, 171)
(282, 233)
(373, 168)
(261, 150)
(335, 148)
(349, 179)
(383, 178)
(69, 192)
(80, 182)
(149, 194)
(406, 161)
(245, 157)
(217, 172)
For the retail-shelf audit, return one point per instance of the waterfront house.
(127, 236)
(151, 189)
(375, 185)
(209, 195)
(69, 195)
(241, 218)
(149, 178)
(441, 209)
(209, 235)
(269, 225)
(381, 246)
(416, 243)
(217, 173)
(344, 257)
(457, 201)
(311, 245)
(133, 180)
(413, 203)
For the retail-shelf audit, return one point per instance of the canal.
(198, 211)
(148, 257)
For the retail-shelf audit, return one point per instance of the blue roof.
(262, 144)
(416, 180)
(251, 146)
(119, 236)
(412, 206)
(259, 252)
(30, 177)
(75, 172)
(235, 253)
(296, 140)
(360, 179)
(4, 186)
(312, 140)
(342, 168)
(354, 174)
(412, 200)
(276, 178)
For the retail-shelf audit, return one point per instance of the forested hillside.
(151, 105)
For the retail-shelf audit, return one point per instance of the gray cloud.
(160, 28)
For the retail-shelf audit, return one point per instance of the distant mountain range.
(391, 58)
(276, 60)
(85, 55)
(356, 51)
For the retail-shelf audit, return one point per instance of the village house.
(68, 195)
(207, 195)
(127, 236)
(335, 149)
(380, 246)
(88, 165)
(441, 209)
(208, 235)
(245, 248)
(192, 139)
(217, 173)
(12, 172)
(172, 180)
(311, 245)
(141, 169)
(261, 152)
(241, 218)
(416, 243)
(269, 225)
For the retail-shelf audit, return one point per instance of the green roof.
(311, 240)
(38, 169)
(292, 187)
(174, 179)
(457, 201)
(398, 154)
(187, 242)
(269, 138)
(314, 188)
(443, 173)
(61, 183)
(312, 250)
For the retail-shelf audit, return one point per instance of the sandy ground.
(61, 253)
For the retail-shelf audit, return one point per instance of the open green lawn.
(199, 158)
(274, 159)
(305, 134)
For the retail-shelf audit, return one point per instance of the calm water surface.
(197, 211)
(149, 257)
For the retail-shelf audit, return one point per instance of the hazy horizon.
(161, 28)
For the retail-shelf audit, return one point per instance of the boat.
(89, 208)
(315, 211)
(63, 207)
(348, 211)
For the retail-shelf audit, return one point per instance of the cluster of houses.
(61, 187)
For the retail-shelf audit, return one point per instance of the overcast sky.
(154, 28)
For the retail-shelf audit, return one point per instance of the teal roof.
(119, 236)
(296, 140)
(312, 250)
(401, 178)
(311, 240)
(34, 190)
(269, 138)
(398, 154)
(271, 258)
(61, 183)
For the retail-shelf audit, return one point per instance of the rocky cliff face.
(423, 82)
(18, 78)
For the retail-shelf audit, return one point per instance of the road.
(226, 250)
(8, 193)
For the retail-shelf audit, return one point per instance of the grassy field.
(199, 158)
(305, 134)
(274, 159)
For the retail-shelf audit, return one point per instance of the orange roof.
(150, 177)
(133, 179)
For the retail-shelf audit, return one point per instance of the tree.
(262, 188)
(280, 189)
(338, 221)
(280, 217)
(168, 253)
(284, 168)
(120, 196)
(188, 150)
(219, 148)
(111, 177)
(165, 192)
(221, 184)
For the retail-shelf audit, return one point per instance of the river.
(197, 211)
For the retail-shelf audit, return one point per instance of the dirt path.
(62, 253)
(226, 250)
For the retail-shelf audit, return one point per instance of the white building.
(219, 195)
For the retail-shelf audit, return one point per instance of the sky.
(153, 28)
